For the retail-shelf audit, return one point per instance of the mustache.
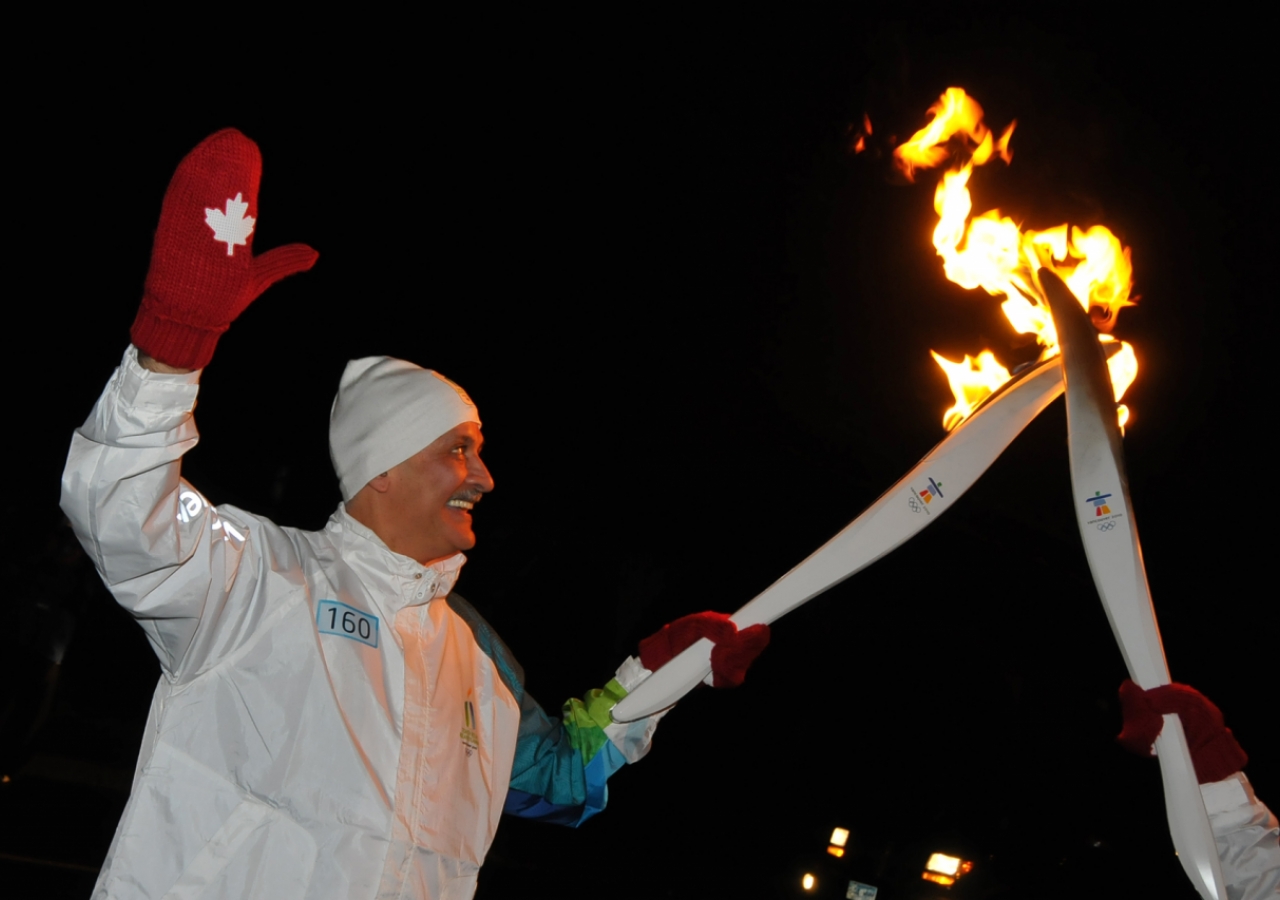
(470, 495)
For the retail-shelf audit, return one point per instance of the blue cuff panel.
(531, 806)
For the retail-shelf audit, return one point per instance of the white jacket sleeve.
(1248, 838)
(193, 576)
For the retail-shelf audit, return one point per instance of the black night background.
(698, 329)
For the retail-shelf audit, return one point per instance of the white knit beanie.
(387, 410)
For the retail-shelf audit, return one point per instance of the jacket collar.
(411, 583)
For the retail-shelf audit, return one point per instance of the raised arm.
(168, 556)
(137, 520)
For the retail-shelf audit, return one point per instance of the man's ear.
(380, 483)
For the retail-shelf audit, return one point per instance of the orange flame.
(972, 381)
(990, 251)
(954, 113)
(859, 140)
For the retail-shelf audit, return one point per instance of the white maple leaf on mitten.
(232, 227)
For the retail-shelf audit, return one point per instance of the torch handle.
(1184, 805)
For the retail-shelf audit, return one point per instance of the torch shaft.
(915, 501)
(1110, 537)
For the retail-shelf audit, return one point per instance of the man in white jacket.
(332, 721)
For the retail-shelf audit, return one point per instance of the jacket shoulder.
(509, 669)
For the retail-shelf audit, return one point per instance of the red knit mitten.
(732, 655)
(1215, 752)
(203, 272)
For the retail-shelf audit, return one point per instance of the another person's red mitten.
(1215, 752)
(203, 272)
(732, 655)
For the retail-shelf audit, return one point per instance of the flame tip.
(993, 252)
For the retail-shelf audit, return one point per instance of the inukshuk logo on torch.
(990, 251)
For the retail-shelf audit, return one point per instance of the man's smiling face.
(434, 491)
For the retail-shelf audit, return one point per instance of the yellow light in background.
(938, 878)
(835, 851)
(946, 865)
(840, 837)
(808, 882)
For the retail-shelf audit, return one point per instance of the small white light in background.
(946, 865)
